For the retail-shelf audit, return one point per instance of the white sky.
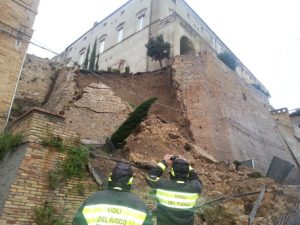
(264, 34)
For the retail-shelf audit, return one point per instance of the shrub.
(158, 49)
(75, 163)
(109, 69)
(129, 125)
(127, 69)
(45, 215)
(254, 175)
(8, 142)
(229, 59)
(116, 71)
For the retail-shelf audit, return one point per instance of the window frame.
(141, 21)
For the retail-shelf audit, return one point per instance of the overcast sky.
(264, 34)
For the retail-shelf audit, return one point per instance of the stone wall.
(16, 20)
(29, 188)
(93, 111)
(36, 80)
(228, 117)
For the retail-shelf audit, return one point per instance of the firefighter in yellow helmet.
(116, 205)
(176, 197)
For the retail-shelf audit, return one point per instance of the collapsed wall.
(93, 111)
(229, 118)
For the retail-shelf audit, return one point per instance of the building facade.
(121, 37)
(16, 20)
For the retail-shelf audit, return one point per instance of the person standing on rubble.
(176, 197)
(116, 205)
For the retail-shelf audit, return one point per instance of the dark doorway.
(186, 46)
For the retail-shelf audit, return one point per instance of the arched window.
(186, 46)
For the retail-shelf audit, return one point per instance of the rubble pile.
(155, 138)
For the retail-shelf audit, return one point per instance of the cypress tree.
(86, 62)
(132, 122)
(93, 57)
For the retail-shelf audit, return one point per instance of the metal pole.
(256, 206)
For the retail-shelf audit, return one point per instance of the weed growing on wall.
(55, 142)
(74, 164)
(8, 142)
(47, 215)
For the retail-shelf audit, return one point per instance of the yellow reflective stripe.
(162, 166)
(156, 179)
(176, 199)
(112, 214)
(176, 204)
(177, 195)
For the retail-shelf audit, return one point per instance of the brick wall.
(29, 188)
(228, 118)
(16, 20)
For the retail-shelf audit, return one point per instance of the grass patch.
(9, 142)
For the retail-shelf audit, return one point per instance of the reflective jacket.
(112, 207)
(176, 198)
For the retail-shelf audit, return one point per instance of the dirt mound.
(155, 138)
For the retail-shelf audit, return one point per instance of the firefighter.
(115, 205)
(177, 196)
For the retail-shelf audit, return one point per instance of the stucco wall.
(16, 20)
(157, 16)
(9, 167)
(227, 116)
(127, 17)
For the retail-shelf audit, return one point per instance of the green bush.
(45, 215)
(127, 69)
(158, 49)
(8, 142)
(109, 69)
(229, 59)
(75, 163)
(116, 71)
(134, 119)
(254, 175)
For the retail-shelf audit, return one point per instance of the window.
(120, 34)
(141, 22)
(81, 59)
(101, 46)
